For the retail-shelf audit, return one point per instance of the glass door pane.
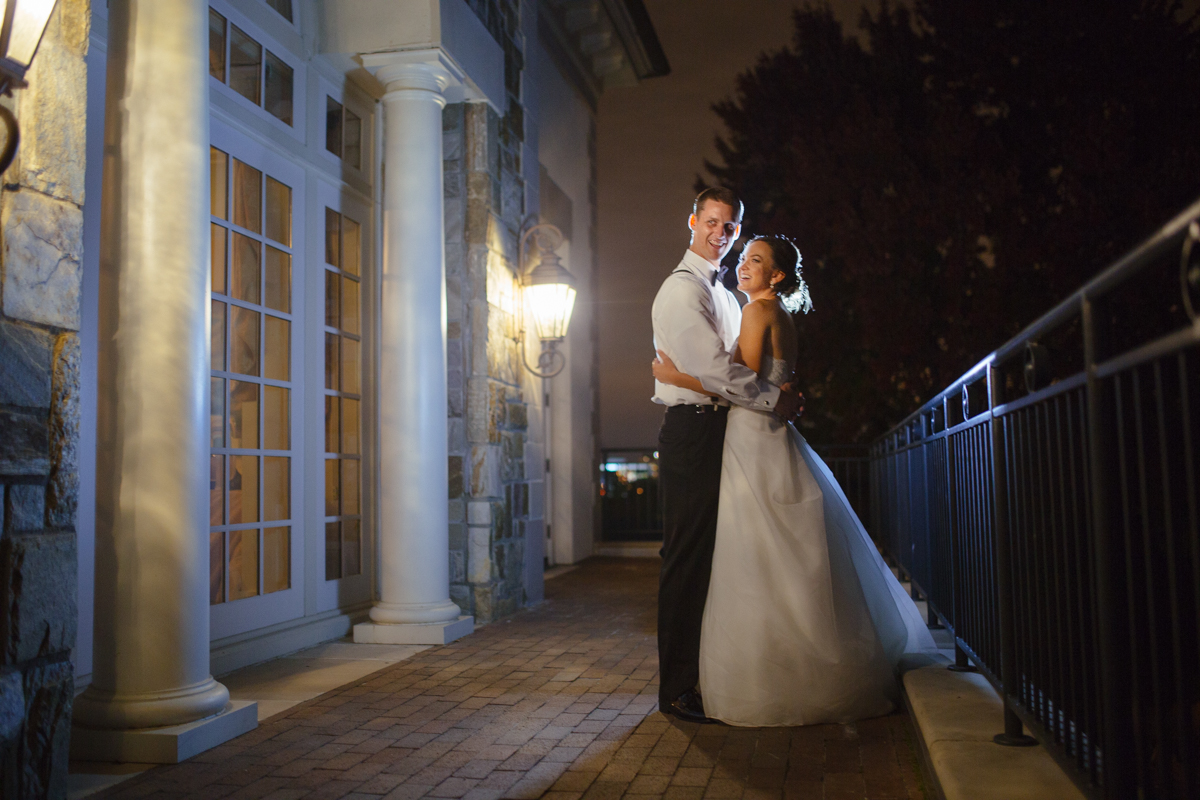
(251, 463)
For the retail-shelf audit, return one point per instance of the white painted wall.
(562, 141)
(533, 387)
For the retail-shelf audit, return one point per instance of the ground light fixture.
(21, 29)
(549, 296)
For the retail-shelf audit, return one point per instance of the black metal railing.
(630, 505)
(1045, 504)
(851, 466)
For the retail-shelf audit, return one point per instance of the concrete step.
(956, 715)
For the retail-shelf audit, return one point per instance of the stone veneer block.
(49, 689)
(485, 471)
(497, 406)
(483, 599)
(62, 496)
(479, 513)
(38, 578)
(53, 108)
(43, 246)
(456, 476)
(424, 633)
(25, 445)
(12, 706)
(25, 364)
(477, 403)
(518, 416)
(24, 508)
(480, 567)
(168, 745)
(479, 343)
(512, 455)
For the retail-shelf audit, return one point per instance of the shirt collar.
(700, 266)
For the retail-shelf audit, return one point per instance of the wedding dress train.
(804, 622)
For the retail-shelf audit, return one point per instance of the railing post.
(961, 662)
(1009, 680)
(1112, 624)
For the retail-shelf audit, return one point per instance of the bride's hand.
(790, 388)
(664, 369)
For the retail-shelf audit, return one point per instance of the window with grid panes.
(343, 133)
(250, 509)
(343, 397)
(236, 59)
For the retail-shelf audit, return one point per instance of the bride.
(804, 623)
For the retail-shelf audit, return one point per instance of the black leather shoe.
(689, 708)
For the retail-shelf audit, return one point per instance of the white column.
(414, 605)
(151, 652)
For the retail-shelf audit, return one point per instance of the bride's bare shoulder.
(766, 311)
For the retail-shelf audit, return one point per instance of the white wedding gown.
(804, 622)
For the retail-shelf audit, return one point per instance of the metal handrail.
(1056, 536)
(1163, 242)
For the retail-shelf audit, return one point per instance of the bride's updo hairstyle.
(791, 290)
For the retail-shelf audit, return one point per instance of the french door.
(256, 522)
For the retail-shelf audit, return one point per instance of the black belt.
(697, 408)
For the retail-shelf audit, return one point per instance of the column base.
(168, 745)
(414, 633)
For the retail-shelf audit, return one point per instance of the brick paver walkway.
(558, 702)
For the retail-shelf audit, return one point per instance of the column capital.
(431, 70)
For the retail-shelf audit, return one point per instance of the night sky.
(653, 140)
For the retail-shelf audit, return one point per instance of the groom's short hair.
(721, 195)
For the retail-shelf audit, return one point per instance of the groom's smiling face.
(714, 230)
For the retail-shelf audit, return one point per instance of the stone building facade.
(41, 216)
(485, 207)
(490, 391)
(375, 272)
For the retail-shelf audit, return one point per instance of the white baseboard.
(235, 652)
(628, 549)
(239, 651)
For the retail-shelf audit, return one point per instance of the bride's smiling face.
(756, 271)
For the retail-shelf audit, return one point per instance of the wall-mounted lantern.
(549, 293)
(22, 24)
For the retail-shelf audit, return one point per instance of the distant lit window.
(284, 7)
(236, 59)
(343, 133)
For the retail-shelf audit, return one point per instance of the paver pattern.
(558, 702)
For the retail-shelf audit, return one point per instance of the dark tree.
(952, 179)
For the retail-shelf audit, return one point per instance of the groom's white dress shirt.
(696, 322)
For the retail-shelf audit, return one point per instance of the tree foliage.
(955, 174)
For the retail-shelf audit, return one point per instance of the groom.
(696, 321)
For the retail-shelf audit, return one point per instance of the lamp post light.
(549, 292)
(22, 24)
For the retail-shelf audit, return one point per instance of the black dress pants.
(689, 468)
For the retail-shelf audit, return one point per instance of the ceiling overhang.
(601, 44)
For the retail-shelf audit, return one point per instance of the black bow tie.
(718, 276)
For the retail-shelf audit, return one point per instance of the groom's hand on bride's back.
(791, 403)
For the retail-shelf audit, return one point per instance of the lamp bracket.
(550, 362)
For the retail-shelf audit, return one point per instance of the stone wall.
(489, 489)
(41, 220)
(488, 408)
